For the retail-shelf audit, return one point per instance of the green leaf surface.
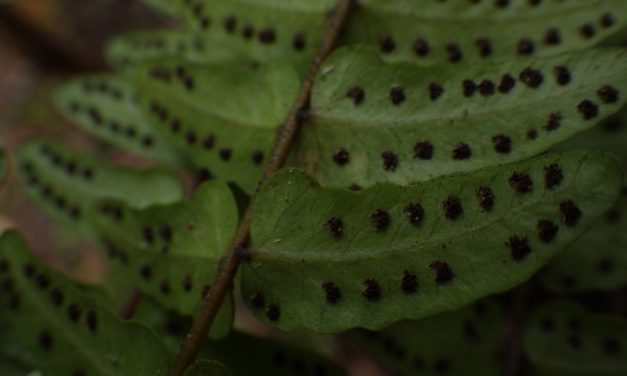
(47, 323)
(136, 48)
(459, 31)
(171, 252)
(105, 105)
(223, 117)
(597, 260)
(329, 259)
(262, 30)
(565, 339)
(419, 138)
(65, 183)
(451, 343)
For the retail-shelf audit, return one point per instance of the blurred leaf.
(221, 116)
(47, 323)
(329, 259)
(565, 339)
(171, 252)
(131, 50)
(357, 135)
(598, 259)
(65, 183)
(106, 107)
(450, 343)
(10, 367)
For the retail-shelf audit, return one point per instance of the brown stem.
(283, 144)
(128, 310)
(514, 354)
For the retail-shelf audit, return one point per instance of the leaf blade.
(449, 260)
(61, 330)
(105, 106)
(564, 338)
(420, 138)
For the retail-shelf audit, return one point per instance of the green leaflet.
(66, 183)
(329, 259)
(208, 367)
(598, 259)
(132, 49)
(264, 30)
(352, 139)
(450, 343)
(462, 31)
(223, 116)
(47, 323)
(171, 252)
(106, 107)
(565, 339)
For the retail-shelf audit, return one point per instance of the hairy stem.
(283, 144)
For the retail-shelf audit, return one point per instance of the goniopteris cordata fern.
(47, 324)
(171, 252)
(562, 338)
(331, 259)
(373, 121)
